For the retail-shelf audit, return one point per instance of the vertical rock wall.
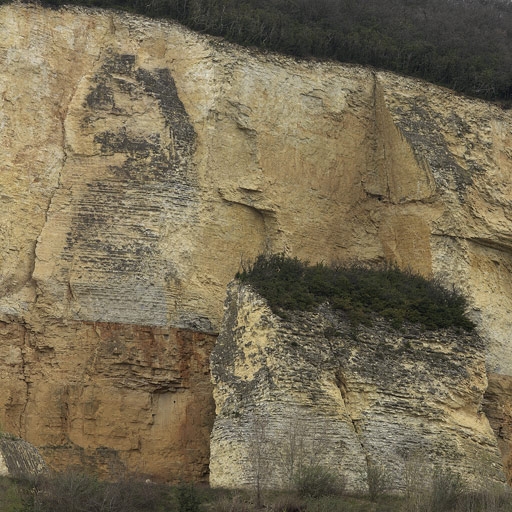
(111, 397)
(313, 390)
(142, 163)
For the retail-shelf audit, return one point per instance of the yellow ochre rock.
(142, 163)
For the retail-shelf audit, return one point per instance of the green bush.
(316, 481)
(361, 291)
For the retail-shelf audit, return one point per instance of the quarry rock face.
(314, 390)
(110, 397)
(142, 163)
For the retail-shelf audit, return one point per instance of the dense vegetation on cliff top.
(360, 291)
(462, 44)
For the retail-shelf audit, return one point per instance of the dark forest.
(465, 45)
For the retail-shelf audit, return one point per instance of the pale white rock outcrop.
(314, 390)
(19, 459)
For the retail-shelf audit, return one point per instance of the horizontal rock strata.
(142, 163)
(313, 390)
(111, 397)
(19, 459)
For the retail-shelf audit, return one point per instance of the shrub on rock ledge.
(360, 290)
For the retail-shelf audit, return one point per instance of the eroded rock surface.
(111, 397)
(497, 406)
(314, 390)
(142, 163)
(19, 459)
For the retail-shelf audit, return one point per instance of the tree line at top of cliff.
(462, 44)
(361, 291)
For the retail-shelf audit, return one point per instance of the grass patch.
(75, 491)
(10, 496)
(359, 290)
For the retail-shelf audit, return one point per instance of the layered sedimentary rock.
(314, 390)
(19, 459)
(497, 406)
(111, 397)
(142, 163)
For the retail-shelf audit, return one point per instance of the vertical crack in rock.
(50, 206)
(15, 372)
(341, 384)
(376, 180)
(378, 106)
(395, 172)
(26, 379)
(50, 201)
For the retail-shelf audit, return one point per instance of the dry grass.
(74, 491)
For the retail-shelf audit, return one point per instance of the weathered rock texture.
(142, 162)
(497, 406)
(312, 389)
(19, 459)
(111, 397)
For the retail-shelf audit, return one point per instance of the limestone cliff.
(142, 162)
(110, 397)
(312, 389)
